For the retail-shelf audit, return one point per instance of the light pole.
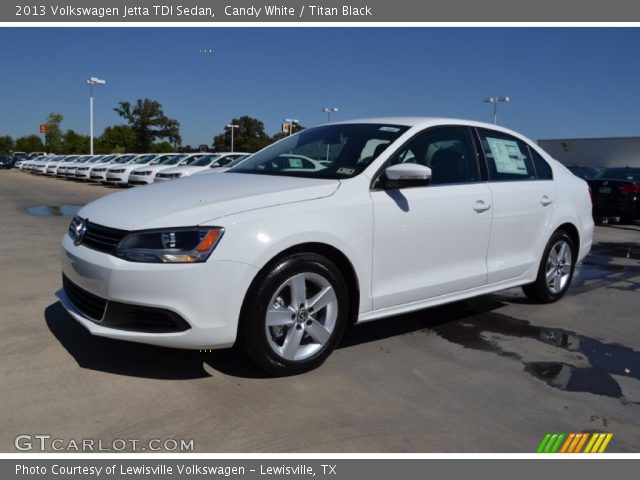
(232, 127)
(290, 121)
(91, 82)
(495, 101)
(329, 111)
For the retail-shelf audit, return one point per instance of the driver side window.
(447, 151)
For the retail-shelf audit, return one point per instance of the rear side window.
(507, 157)
(543, 170)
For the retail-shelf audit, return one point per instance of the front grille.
(103, 239)
(90, 305)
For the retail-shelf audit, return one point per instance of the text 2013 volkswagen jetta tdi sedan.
(405, 213)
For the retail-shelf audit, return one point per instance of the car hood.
(153, 168)
(196, 200)
(182, 169)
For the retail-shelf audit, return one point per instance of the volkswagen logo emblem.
(80, 229)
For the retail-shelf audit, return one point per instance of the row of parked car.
(131, 168)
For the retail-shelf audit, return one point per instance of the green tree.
(53, 137)
(116, 139)
(29, 143)
(149, 123)
(248, 137)
(163, 147)
(75, 143)
(6, 144)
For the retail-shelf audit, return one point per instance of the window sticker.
(345, 171)
(507, 156)
(389, 129)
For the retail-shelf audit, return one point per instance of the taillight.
(632, 189)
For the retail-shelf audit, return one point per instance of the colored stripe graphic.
(568, 442)
(573, 442)
(584, 439)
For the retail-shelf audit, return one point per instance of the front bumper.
(140, 179)
(207, 296)
(116, 178)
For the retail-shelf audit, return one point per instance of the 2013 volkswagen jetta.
(403, 214)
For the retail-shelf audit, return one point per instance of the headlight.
(172, 245)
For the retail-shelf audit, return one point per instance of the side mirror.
(403, 175)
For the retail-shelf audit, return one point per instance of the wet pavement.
(54, 210)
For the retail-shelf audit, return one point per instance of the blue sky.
(563, 82)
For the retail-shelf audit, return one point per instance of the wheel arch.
(573, 233)
(330, 252)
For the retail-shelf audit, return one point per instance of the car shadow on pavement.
(420, 320)
(139, 360)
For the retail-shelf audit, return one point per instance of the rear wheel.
(295, 314)
(555, 271)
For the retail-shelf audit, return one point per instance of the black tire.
(539, 291)
(252, 334)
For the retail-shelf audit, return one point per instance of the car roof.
(424, 122)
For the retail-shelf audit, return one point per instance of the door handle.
(545, 201)
(480, 206)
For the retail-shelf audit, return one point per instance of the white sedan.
(98, 172)
(408, 213)
(119, 174)
(203, 164)
(144, 175)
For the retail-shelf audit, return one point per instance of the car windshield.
(204, 161)
(143, 159)
(331, 151)
(191, 159)
(173, 159)
(95, 159)
(632, 174)
(235, 161)
(125, 158)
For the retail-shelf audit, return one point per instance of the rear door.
(523, 203)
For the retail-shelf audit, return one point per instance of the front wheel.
(294, 314)
(555, 271)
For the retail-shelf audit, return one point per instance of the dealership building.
(595, 152)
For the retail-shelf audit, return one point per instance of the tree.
(163, 147)
(6, 144)
(75, 143)
(116, 139)
(149, 123)
(29, 143)
(53, 136)
(248, 137)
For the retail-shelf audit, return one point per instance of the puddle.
(608, 264)
(605, 359)
(54, 210)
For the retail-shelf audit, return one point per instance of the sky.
(562, 82)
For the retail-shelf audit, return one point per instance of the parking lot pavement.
(492, 374)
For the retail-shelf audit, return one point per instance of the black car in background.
(615, 192)
(5, 162)
(585, 173)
